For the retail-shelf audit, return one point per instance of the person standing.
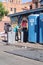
(16, 32)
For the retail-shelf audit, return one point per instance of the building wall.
(36, 2)
(19, 6)
(15, 4)
(8, 4)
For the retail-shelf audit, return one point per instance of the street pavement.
(10, 59)
(30, 53)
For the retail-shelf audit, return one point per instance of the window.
(34, 1)
(36, 5)
(30, 6)
(16, 2)
(19, 1)
(14, 10)
(11, 0)
(11, 9)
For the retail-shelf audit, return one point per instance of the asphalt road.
(31, 53)
(10, 59)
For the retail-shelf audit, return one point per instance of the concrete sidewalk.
(28, 45)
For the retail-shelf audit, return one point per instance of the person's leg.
(16, 36)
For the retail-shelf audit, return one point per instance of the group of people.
(18, 28)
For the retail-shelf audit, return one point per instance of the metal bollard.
(13, 37)
(9, 37)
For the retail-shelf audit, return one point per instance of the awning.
(27, 12)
